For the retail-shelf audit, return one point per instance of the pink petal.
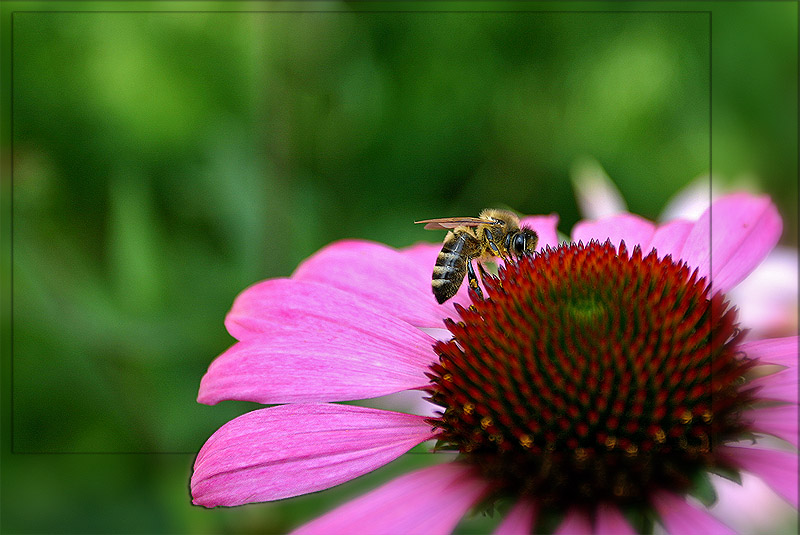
(408, 401)
(320, 362)
(430, 501)
(379, 275)
(781, 351)
(610, 521)
(278, 305)
(438, 334)
(519, 519)
(781, 386)
(575, 523)
(668, 239)
(596, 194)
(423, 254)
(767, 298)
(681, 518)
(777, 468)
(690, 202)
(780, 421)
(751, 507)
(284, 451)
(282, 305)
(743, 230)
(545, 226)
(634, 230)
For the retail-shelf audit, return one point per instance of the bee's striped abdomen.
(451, 265)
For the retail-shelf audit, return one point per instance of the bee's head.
(522, 242)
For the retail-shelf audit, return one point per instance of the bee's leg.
(494, 282)
(483, 273)
(489, 240)
(473, 280)
(492, 245)
(496, 248)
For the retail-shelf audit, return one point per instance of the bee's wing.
(453, 222)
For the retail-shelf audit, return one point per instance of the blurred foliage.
(162, 162)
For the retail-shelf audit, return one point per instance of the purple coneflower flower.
(770, 291)
(598, 388)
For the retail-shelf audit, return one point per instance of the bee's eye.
(519, 244)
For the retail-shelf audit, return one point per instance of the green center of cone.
(586, 310)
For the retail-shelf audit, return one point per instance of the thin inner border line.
(355, 11)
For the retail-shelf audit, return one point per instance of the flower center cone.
(589, 375)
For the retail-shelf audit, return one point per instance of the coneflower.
(597, 387)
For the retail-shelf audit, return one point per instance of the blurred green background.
(163, 161)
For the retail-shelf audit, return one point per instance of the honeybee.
(495, 233)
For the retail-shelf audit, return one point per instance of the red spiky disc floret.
(588, 374)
